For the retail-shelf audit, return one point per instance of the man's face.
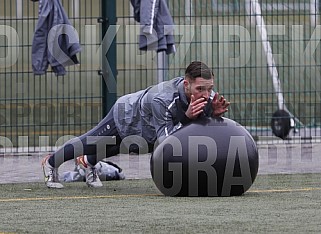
(200, 88)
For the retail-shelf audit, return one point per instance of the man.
(137, 121)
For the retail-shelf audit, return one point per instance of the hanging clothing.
(55, 41)
(157, 26)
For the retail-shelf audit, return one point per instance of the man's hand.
(195, 107)
(219, 105)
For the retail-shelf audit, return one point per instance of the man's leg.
(106, 146)
(86, 144)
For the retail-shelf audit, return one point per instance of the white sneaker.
(92, 178)
(51, 174)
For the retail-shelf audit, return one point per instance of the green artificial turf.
(275, 203)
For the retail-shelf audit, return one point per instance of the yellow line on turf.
(75, 197)
(142, 195)
(284, 190)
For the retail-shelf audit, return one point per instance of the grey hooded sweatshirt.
(55, 41)
(155, 112)
(157, 26)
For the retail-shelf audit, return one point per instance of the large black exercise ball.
(208, 157)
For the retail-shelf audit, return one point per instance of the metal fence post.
(109, 69)
(162, 66)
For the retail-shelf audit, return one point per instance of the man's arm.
(162, 118)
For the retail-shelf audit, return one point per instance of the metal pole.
(161, 66)
(313, 13)
(108, 64)
(188, 10)
(19, 9)
(75, 6)
(249, 12)
(256, 7)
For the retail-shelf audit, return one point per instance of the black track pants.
(98, 143)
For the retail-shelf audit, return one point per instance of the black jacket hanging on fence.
(55, 41)
(156, 25)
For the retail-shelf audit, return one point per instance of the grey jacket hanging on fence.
(156, 25)
(55, 41)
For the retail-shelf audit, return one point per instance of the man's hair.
(198, 69)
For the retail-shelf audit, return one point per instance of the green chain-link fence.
(227, 35)
(265, 54)
(39, 110)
